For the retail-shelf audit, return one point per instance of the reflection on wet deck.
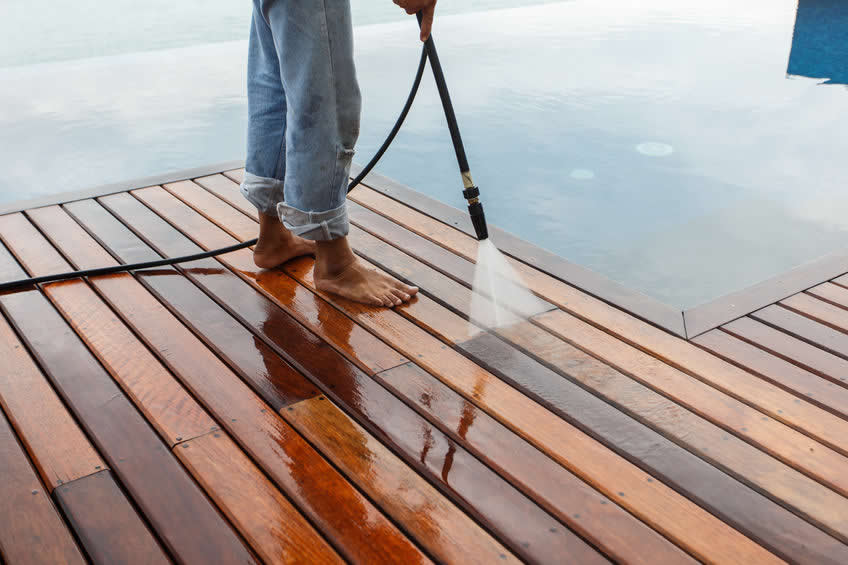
(214, 412)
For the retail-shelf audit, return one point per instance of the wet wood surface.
(526, 525)
(762, 518)
(54, 441)
(31, 529)
(358, 344)
(403, 334)
(184, 519)
(245, 416)
(654, 341)
(438, 525)
(251, 421)
(269, 522)
(790, 446)
(574, 502)
(549, 433)
(107, 525)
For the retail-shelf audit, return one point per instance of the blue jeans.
(303, 114)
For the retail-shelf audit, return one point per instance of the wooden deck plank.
(790, 349)
(9, 268)
(165, 403)
(413, 341)
(320, 491)
(673, 350)
(190, 421)
(357, 453)
(584, 509)
(524, 524)
(227, 190)
(58, 447)
(790, 446)
(740, 462)
(235, 175)
(667, 511)
(796, 380)
(184, 519)
(31, 530)
(804, 328)
(546, 431)
(751, 512)
(677, 352)
(272, 526)
(727, 378)
(831, 293)
(683, 473)
(181, 515)
(372, 245)
(356, 343)
(232, 221)
(682, 466)
(108, 527)
(528, 530)
(426, 251)
(821, 311)
(274, 379)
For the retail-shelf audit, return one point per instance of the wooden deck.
(216, 413)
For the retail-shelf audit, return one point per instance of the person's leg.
(265, 163)
(314, 43)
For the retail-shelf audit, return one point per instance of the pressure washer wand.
(471, 192)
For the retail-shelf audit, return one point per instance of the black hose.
(447, 105)
(471, 192)
(197, 256)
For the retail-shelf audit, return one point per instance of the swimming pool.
(663, 145)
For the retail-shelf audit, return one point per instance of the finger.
(427, 21)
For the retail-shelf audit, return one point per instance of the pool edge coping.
(687, 324)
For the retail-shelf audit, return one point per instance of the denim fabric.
(303, 113)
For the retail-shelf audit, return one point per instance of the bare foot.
(277, 244)
(339, 271)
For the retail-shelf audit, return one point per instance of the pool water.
(685, 150)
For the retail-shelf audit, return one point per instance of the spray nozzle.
(478, 220)
(475, 210)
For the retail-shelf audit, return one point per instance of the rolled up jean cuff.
(315, 226)
(263, 192)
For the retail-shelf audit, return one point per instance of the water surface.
(685, 150)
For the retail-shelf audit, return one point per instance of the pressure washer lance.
(471, 192)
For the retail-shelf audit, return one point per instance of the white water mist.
(500, 297)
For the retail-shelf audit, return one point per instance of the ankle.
(333, 257)
(272, 231)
